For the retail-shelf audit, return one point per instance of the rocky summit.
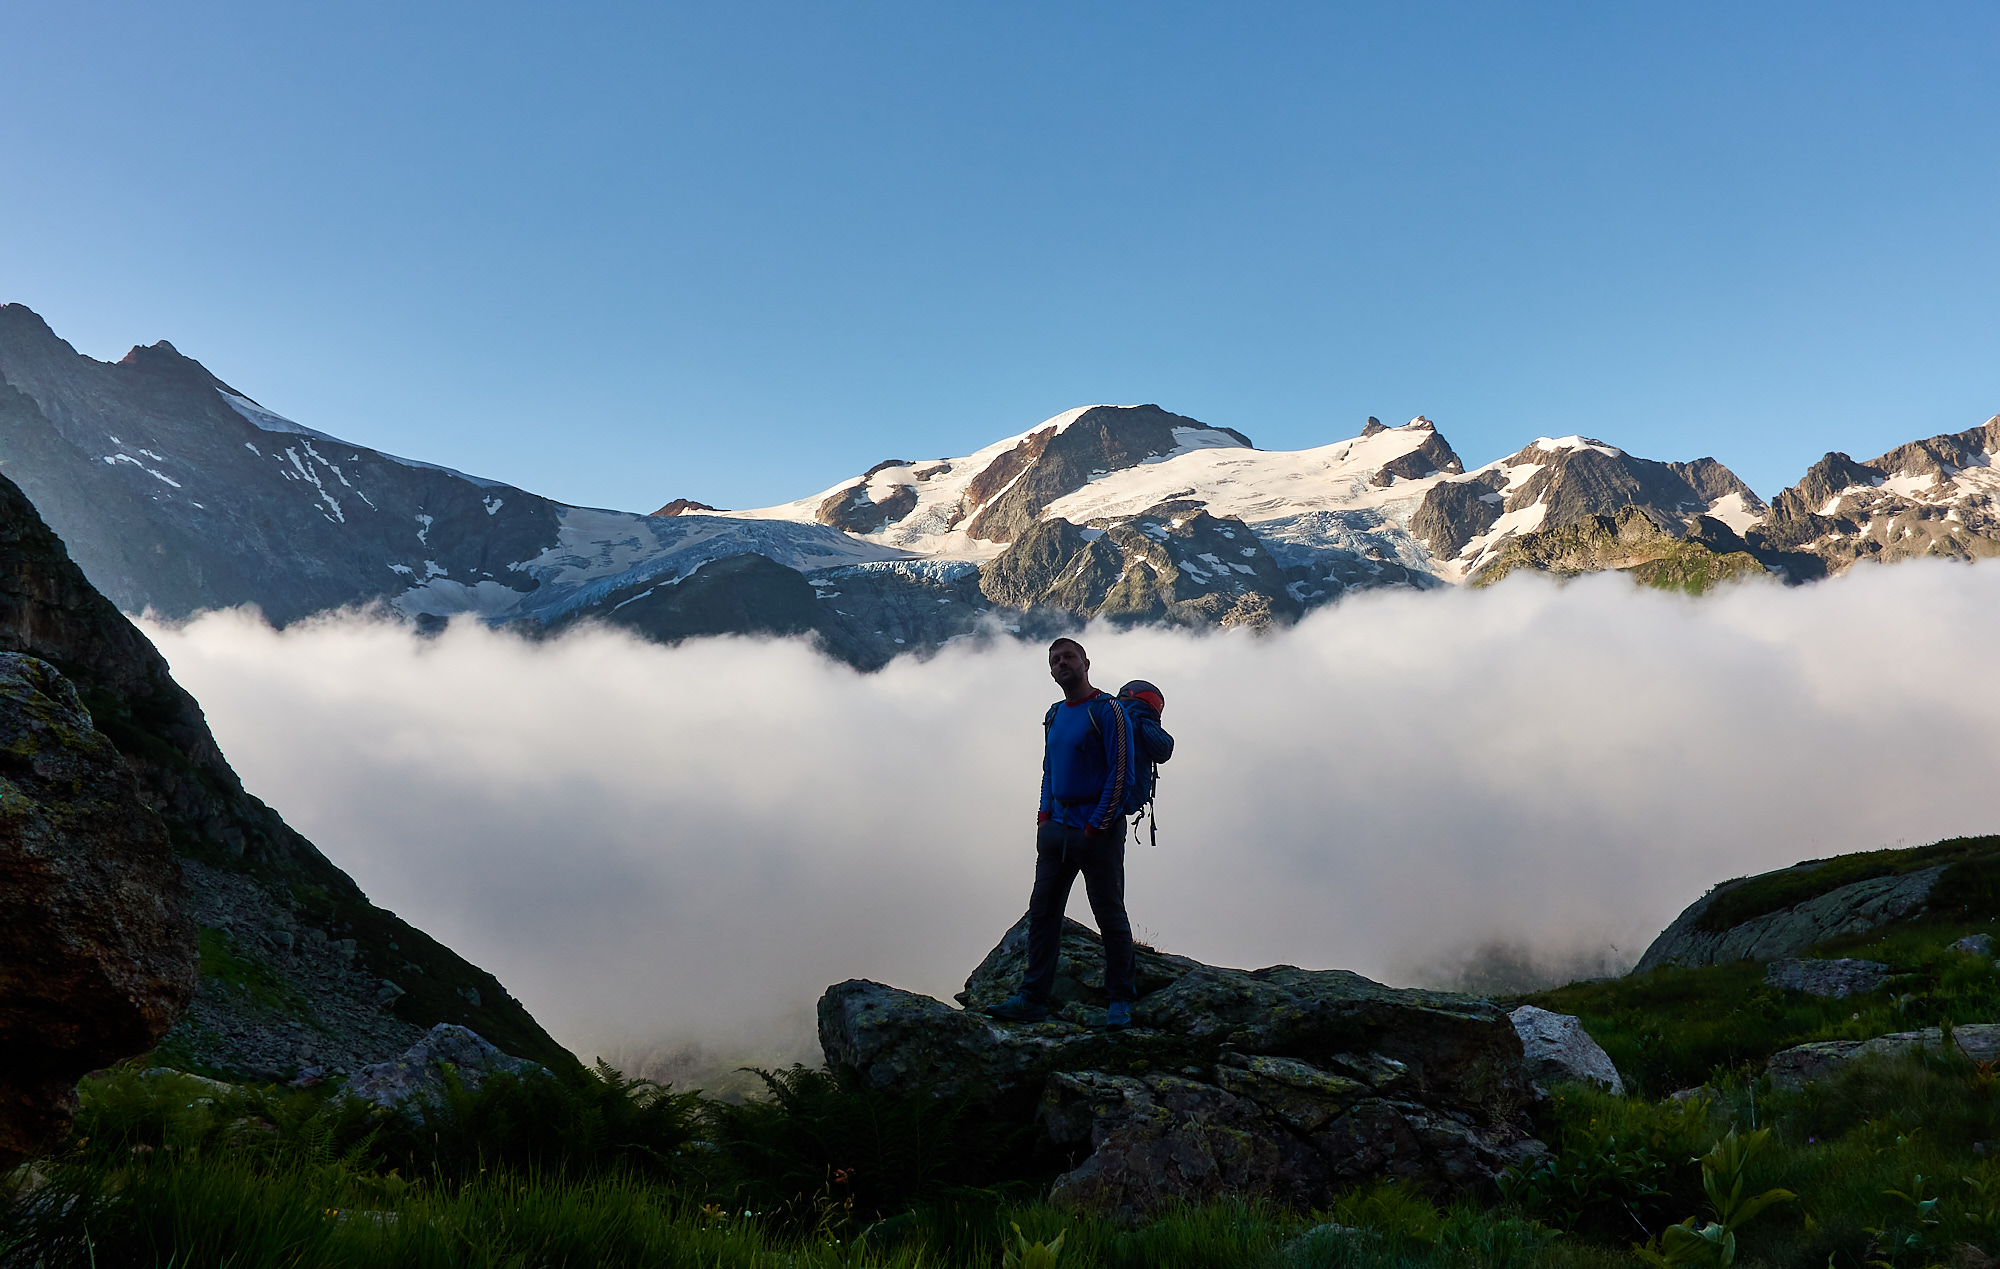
(1282, 1082)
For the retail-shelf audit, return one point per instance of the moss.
(223, 961)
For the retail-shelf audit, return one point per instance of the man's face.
(1067, 665)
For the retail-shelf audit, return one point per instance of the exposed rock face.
(1280, 1082)
(864, 508)
(1837, 979)
(1527, 500)
(682, 506)
(418, 1076)
(1104, 438)
(49, 611)
(97, 954)
(1850, 909)
(1807, 1062)
(1672, 554)
(1174, 563)
(1556, 1047)
(1428, 459)
(1934, 497)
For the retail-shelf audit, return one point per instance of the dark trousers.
(1061, 852)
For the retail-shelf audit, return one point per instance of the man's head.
(1068, 666)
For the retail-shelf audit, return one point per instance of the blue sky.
(623, 253)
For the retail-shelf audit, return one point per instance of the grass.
(248, 973)
(1675, 1028)
(1890, 1164)
(171, 1170)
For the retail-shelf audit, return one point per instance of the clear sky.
(736, 252)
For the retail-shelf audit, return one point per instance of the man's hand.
(1041, 817)
(1092, 830)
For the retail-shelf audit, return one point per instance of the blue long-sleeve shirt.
(1084, 762)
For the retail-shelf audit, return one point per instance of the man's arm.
(1117, 735)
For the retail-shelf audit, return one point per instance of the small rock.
(1977, 944)
(1554, 1046)
(388, 992)
(1838, 979)
(1808, 1062)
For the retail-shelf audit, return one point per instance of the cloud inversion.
(653, 846)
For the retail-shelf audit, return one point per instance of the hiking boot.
(1118, 1015)
(1018, 1008)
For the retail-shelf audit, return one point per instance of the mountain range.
(177, 492)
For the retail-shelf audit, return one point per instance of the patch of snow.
(1558, 444)
(1731, 510)
(266, 420)
(492, 505)
(1903, 485)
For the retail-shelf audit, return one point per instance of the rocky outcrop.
(1835, 979)
(1805, 1063)
(1174, 564)
(1432, 456)
(1555, 1047)
(1285, 1083)
(684, 506)
(417, 1078)
(97, 954)
(49, 611)
(1671, 553)
(1848, 909)
(864, 508)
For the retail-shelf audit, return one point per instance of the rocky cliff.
(97, 954)
(298, 968)
(1283, 1083)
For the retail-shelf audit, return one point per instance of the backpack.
(1148, 745)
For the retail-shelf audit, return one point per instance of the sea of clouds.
(671, 851)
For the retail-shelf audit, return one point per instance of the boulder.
(97, 954)
(1281, 1083)
(1805, 1063)
(1554, 1047)
(1839, 978)
(417, 1078)
(1977, 944)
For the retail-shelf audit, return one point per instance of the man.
(1079, 830)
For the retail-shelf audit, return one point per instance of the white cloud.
(653, 845)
